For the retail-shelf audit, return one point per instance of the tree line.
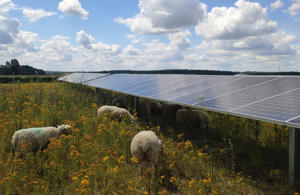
(13, 67)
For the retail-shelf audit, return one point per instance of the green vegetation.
(14, 68)
(27, 79)
(96, 159)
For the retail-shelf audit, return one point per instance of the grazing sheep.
(145, 146)
(115, 111)
(36, 138)
(153, 109)
(169, 110)
(120, 101)
(192, 120)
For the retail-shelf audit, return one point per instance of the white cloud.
(73, 7)
(243, 20)
(84, 39)
(179, 40)
(131, 50)
(164, 16)
(5, 6)
(133, 38)
(9, 28)
(35, 14)
(262, 53)
(276, 5)
(294, 8)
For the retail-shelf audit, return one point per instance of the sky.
(93, 35)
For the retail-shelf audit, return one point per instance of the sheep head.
(63, 129)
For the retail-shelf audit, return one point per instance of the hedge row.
(27, 79)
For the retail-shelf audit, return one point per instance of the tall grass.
(96, 159)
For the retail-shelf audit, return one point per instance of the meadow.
(95, 158)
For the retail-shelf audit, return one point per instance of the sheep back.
(145, 146)
(34, 138)
(192, 118)
(170, 110)
(115, 111)
(120, 101)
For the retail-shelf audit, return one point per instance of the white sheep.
(115, 111)
(145, 147)
(36, 138)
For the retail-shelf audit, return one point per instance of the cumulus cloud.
(9, 28)
(276, 4)
(73, 7)
(164, 16)
(294, 8)
(84, 39)
(5, 6)
(35, 14)
(134, 38)
(265, 52)
(243, 20)
(131, 50)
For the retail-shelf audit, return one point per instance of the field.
(96, 158)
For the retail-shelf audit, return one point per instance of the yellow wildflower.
(179, 136)
(105, 158)
(134, 160)
(85, 182)
(192, 182)
(187, 144)
(172, 179)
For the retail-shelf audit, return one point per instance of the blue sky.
(95, 35)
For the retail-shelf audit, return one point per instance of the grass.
(96, 159)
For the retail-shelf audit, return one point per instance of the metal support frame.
(294, 154)
(136, 103)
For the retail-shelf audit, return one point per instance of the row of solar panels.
(269, 98)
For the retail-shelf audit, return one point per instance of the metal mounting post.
(294, 154)
(135, 103)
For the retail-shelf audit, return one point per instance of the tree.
(15, 66)
(7, 63)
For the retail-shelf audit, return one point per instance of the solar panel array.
(270, 98)
(81, 77)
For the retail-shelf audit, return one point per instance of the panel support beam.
(294, 154)
(136, 103)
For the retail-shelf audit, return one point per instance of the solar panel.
(81, 77)
(198, 95)
(253, 94)
(275, 98)
(117, 81)
(173, 85)
(296, 121)
(281, 107)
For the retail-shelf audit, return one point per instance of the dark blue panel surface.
(174, 85)
(117, 81)
(158, 83)
(198, 95)
(253, 94)
(281, 107)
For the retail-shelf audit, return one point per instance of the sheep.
(120, 101)
(192, 120)
(153, 109)
(145, 147)
(115, 111)
(169, 110)
(36, 138)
